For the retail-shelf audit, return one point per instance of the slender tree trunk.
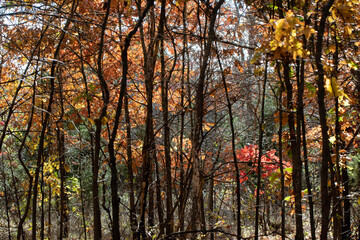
(295, 152)
(259, 167)
(133, 222)
(164, 102)
(16, 190)
(346, 229)
(182, 198)
(159, 200)
(299, 117)
(337, 206)
(149, 148)
(42, 216)
(88, 106)
(306, 162)
(6, 194)
(82, 201)
(199, 113)
(326, 156)
(63, 205)
(98, 127)
(211, 207)
(301, 121)
(49, 224)
(282, 175)
(233, 150)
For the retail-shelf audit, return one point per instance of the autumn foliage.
(179, 119)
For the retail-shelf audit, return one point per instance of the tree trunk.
(164, 103)
(133, 222)
(98, 126)
(233, 151)
(326, 156)
(185, 65)
(259, 167)
(306, 161)
(295, 152)
(282, 175)
(199, 113)
(63, 198)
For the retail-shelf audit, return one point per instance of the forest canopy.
(183, 119)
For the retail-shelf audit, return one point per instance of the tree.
(172, 119)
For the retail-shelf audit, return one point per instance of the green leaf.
(273, 177)
(273, 6)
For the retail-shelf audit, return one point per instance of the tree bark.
(98, 127)
(259, 167)
(233, 151)
(164, 103)
(199, 113)
(133, 221)
(185, 65)
(326, 156)
(281, 163)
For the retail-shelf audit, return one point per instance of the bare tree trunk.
(164, 102)
(49, 224)
(88, 106)
(159, 205)
(337, 206)
(6, 194)
(301, 122)
(326, 156)
(182, 198)
(282, 175)
(233, 150)
(259, 167)
(346, 229)
(63, 205)
(295, 152)
(133, 222)
(42, 216)
(306, 161)
(98, 127)
(199, 113)
(211, 203)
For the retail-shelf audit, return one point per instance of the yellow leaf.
(104, 120)
(91, 121)
(66, 167)
(348, 30)
(332, 87)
